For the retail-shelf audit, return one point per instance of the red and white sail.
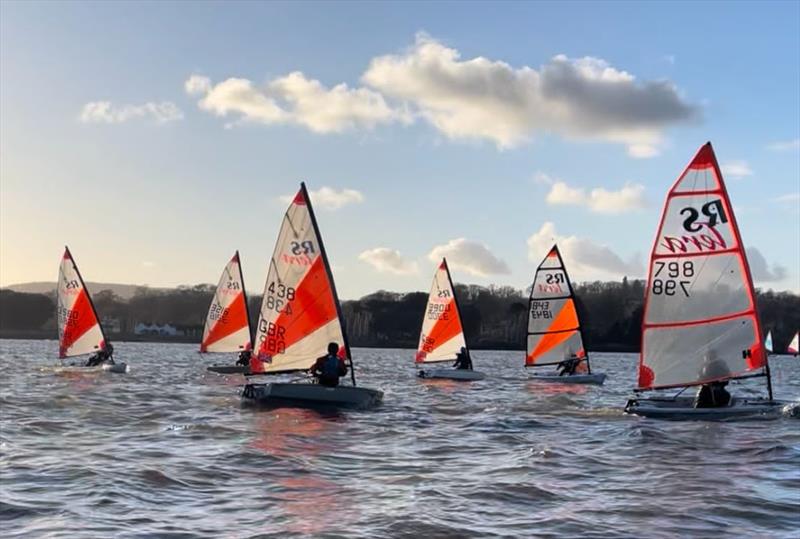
(442, 335)
(227, 326)
(300, 312)
(79, 330)
(554, 330)
(794, 346)
(700, 322)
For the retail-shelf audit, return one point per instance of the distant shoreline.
(181, 339)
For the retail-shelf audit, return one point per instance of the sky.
(155, 139)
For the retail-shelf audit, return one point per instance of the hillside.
(124, 291)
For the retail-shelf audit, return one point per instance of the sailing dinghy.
(300, 315)
(794, 346)
(227, 328)
(79, 330)
(700, 321)
(554, 328)
(442, 334)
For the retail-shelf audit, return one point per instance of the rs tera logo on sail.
(553, 283)
(713, 213)
(71, 287)
(303, 253)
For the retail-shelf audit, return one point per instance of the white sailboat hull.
(229, 369)
(596, 378)
(117, 368)
(452, 374)
(682, 408)
(278, 395)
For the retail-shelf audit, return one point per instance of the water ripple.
(167, 452)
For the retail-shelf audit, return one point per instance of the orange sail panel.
(553, 325)
(700, 322)
(442, 334)
(79, 330)
(227, 326)
(299, 311)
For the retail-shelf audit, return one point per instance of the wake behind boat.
(227, 327)
(441, 339)
(300, 316)
(79, 329)
(555, 336)
(700, 325)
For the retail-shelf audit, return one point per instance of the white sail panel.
(768, 341)
(697, 288)
(794, 346)
(699, 304)
(442, 334)
(553, 324)
(227, 327)
(699, 353)
(300, 311)
(79, 330)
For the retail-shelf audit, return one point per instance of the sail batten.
(300, 311)
(227, 327)
(700, 322)
(442, 333)
(79, 329)
(554, 330)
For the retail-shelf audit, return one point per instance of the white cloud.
(789, 197)
(469, 256)
(479, 98)
(388, 260)
(736, 169)
(295, 99)
(330, 199)
(599, 200)
(197, 85)
(584, 258)
(108, 113)
(760, 270)
(785, 145)
(542, 178)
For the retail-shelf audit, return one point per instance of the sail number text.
(541, 309)
(278, 298)
(272, 338)
(439, 311)
(673, 279)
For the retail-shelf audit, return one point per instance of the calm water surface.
(167, 451)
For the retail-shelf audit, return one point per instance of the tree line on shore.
(494, 317)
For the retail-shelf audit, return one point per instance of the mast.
(336, 302)
(458, 307)
(246, 305)
(745, 263)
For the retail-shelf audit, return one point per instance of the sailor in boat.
(572, 365)
(713, 395)
(101, 357)
(463, 361)
(244, 358)
(330, 367)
